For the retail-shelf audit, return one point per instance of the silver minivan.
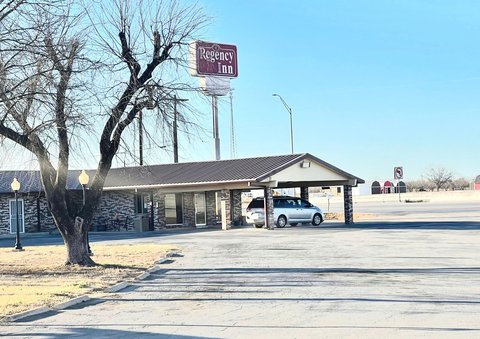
(286, 210)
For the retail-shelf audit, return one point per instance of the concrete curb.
(142, 276)
(71, 302)
(17, 316)
(83, 298)
(117, 287)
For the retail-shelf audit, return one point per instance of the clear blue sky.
(372, 84)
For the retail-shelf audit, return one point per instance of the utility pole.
(175, 140)
(291, 121)
(174, 137)
(233, 150)
(140, 136)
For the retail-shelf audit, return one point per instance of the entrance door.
(13, 216)
(200, 210)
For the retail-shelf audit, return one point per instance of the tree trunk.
(77, 248)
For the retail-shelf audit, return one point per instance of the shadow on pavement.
(428, 225)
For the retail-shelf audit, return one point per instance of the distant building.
(476, 185)
(380, 187)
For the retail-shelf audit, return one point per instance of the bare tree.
(439, 177)
(460, 184)
(62, 66)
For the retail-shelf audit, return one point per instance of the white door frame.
(13, 216)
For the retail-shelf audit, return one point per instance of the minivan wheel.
(281, 221)
(258, 225)
(317, 219)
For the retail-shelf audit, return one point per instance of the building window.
(218, 207)
(174, 209)
(339, 190)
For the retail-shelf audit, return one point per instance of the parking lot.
(374, 279)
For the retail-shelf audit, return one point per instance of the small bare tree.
(439, 177)
(57, 67)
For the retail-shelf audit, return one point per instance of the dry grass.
(341, 216)
(37, 277)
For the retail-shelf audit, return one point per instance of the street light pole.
(83, 178)
(15, 188)
(291, 120)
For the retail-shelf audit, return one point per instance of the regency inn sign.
(214, 59)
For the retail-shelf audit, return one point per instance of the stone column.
(189, 209)
(237, 207)
(225, 197)
(304, 192)
(159, 220)
(348, 204)
(269, 217)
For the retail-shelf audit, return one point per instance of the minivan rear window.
(256, 203)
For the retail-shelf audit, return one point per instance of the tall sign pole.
(398, 175)
(215, 64)
(216, 137)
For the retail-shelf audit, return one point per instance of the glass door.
(13, 216)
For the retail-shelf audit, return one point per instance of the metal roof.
(179, 174)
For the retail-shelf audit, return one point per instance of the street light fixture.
(83, 178)
(15, 188)
(291, 121)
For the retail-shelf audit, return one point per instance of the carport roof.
(246, 171)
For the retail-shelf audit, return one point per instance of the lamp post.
(291, 121)
(83, 178)
(15, 188)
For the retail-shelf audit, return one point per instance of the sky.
(372, 84)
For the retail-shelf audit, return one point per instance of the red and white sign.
(398, 173)
(210, 58)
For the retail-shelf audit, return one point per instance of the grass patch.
(38, 277)
(341, 216)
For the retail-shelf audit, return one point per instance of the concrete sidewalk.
(291, 283)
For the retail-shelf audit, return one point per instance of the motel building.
(193, 194)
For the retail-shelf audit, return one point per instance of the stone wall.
(121, 203)
(30, 214)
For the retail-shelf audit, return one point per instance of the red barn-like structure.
(477, 183)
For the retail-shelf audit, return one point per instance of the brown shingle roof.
(183, 174)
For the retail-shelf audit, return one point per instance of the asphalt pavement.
(410, 279)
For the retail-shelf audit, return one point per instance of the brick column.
(348, 204)
(269, 217)
(304, 192)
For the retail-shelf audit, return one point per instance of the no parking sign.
(398, 173)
